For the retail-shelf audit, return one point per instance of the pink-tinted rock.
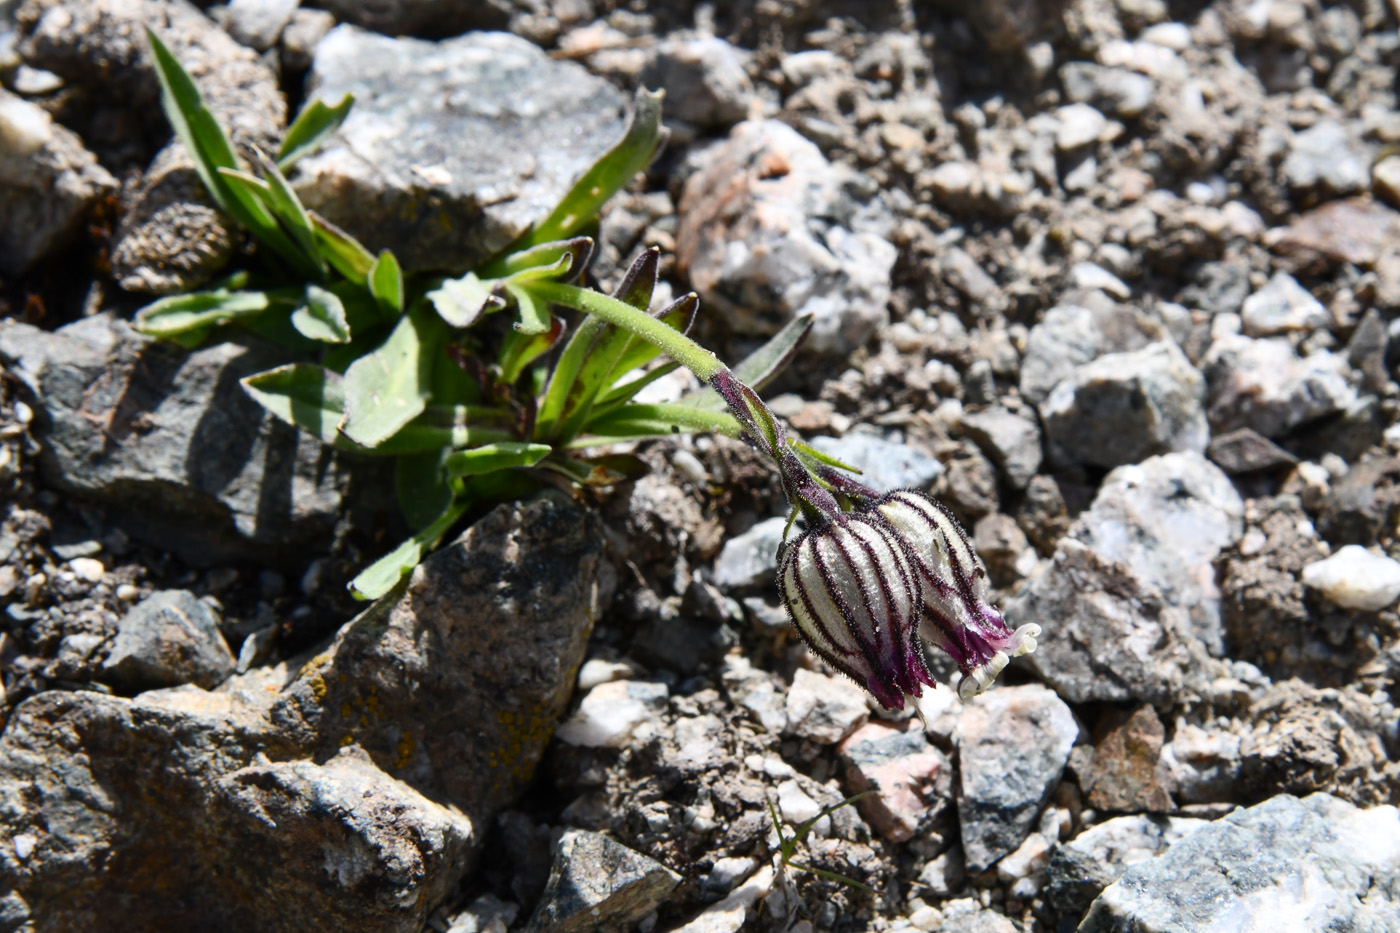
(912, 778)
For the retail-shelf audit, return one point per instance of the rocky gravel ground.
(1114, 279)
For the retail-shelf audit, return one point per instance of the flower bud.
(955, 614)
(853, 594)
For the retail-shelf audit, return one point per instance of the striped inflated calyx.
(853, 593)
(954, 612)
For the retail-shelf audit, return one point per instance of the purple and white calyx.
(870, 585)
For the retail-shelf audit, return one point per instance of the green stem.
(618, 313)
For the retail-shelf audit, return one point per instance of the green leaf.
(655, 420)
(388, 388)
(561, 380)
(562, 260)
(305, 396)
(460, 302)
(286, 206)
(211, 151)
(322, 317)
(343, 251)
(311, 127)
(384, 574)
(678, 315)
(534, 314)
(520, 350)
(811, 455)
(608, 470)
(385, 281)
(618, 166)
(422, 487)
(196, 312)
(628, 390)
(492, 457)
(760, 367)
(450, 426)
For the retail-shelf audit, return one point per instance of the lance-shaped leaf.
(422, 486)
(628, 390)
(385, 282)
(450, 427)
(609, 345)
(312, 126)
(534, 313)
(460, 302)
(607, 470)
(195, 313)
(322, 316)
(305, 396)
(341, 250)
(388, 388)
(210, 150)
(286, 206)
(656, 420)
(489, 458)
(521, 350)
(561, 260)
(618, 166)
(384, 574)
(760, 367)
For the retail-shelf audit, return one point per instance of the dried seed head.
(955, 614)
(854, 595)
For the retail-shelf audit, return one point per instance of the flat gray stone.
(1330, 156)
(1167, 519)
(704, 81)
(1125, 407)
(1081, 868)
(170, 443)
(169, 638)
(884, 465)
(1312, 864)
(1266, 386)
(453, 148)
(48, 184)
(1013, 744)
(457, 685)
(598, 883)
(769, 229)
(1010, 438)
(1108, 635)
(751, 559)
(197, 793)
(1282, 306)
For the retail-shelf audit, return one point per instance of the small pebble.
(127, 593)
(1355, 578)
(88, 568)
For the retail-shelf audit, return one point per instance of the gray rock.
(1362, 503)
(258, 23)
(1265, 385)
(598, 883)
(755, 690)
(303, 32)
(48, 184)
(769, 229)
(824, 709)
(195, 793)
(1080, 869)
(1282, 306)
(912, 777)
(704, 81)
(751, 559)
(1108, 635)
(430, 18)
(977, 921)
(1068, 336)
(169, 638)
(1316, 863)
(1167, 519)
(1125, 407)
(884, 465)
(169, 442)
(613, 713)
(1246, 451)
(1010, 438)
(455, 148)
(171, 237)
(490, 629)
(1078, 125)
(1327, 155)
(1118, 91)
(1013, 744)
(1090, 275)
